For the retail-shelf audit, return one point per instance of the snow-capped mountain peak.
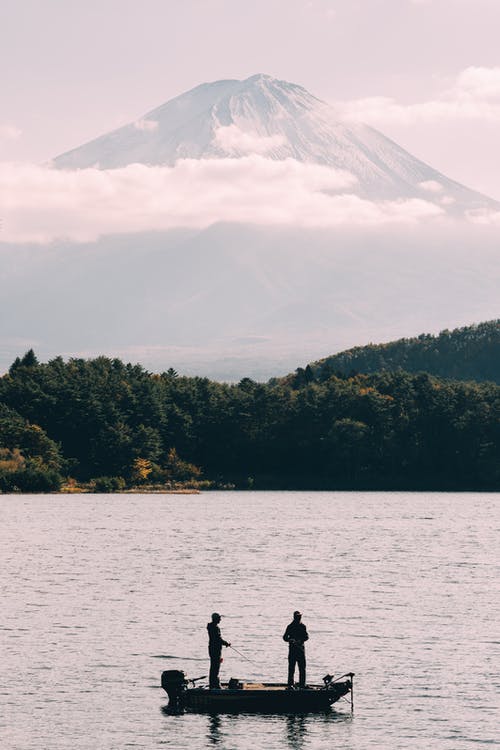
(276, 119)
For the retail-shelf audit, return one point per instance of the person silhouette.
(296, 636)
(215, 643)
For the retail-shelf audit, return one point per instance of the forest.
(469, 353)
(102, 425)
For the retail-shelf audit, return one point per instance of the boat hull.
(252, 697)
(270, 701)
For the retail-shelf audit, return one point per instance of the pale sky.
(424, 72)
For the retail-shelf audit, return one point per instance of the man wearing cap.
(296, 635)
(215, 643)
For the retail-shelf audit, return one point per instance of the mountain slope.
(234, 301)
(469, 353)
(278, 120)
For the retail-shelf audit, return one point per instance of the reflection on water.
(296, 731)
(294, 727)
(214, 726)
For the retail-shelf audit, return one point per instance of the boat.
(269, 697)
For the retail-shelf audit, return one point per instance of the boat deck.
(262, 686)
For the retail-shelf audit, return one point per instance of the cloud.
(474, 95)
(447, 200)
(146, 125)
(480, 82)
(235, 141)
(431, 186)
(40, 204)
(9, 133)
(483, 216)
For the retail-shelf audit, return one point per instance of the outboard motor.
(174, 682)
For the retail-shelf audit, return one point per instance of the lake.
(103, 592)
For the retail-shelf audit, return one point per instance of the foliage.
(178, 469)
(30, 476)
(141, 469)
(471, 353)
(29, 460)
(108, 484)
(116, 423)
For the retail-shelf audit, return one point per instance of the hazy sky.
(425, 72)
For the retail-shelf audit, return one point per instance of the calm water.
(101, 593)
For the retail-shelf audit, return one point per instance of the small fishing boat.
(269, 697)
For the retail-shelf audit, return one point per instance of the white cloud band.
(42, 204)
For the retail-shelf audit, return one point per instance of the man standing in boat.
(296, 636)
(215, 643)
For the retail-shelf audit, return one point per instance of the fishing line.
(244, 657)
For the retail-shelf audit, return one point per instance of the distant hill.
(233, 301)
(470, 353)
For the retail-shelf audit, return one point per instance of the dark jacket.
(215, 640)
(296, 635)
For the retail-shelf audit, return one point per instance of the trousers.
(296, 656)
(213, 678)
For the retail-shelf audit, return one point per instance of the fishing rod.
(244, 657)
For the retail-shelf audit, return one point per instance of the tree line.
(469, 353)
(111, 425)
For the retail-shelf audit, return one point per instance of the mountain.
(234, 301)
(468, 353)
(279, 120)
